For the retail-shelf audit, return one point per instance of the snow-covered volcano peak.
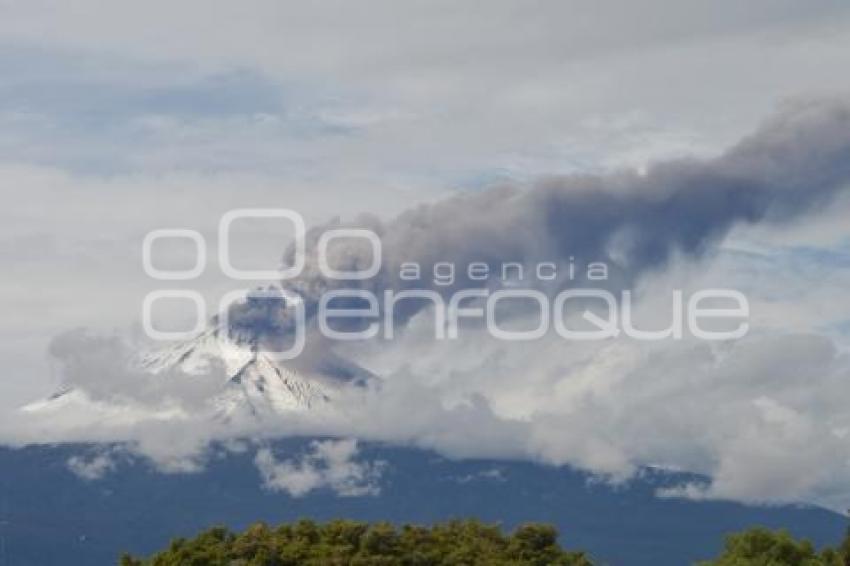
(253, 380)
(237, 373)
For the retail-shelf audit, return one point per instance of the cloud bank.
(765, 417)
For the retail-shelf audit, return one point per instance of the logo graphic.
(607, 314)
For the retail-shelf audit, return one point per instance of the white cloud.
(765, 418)
(329, 464)
(493, 475)
(93, 468)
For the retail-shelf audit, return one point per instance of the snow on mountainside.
(255, 382)
(252, 383)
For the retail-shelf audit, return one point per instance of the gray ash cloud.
(634, 222)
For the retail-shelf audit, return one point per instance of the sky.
(120, 118)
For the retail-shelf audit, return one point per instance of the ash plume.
(633, 222)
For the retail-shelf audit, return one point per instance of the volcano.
(237, 371)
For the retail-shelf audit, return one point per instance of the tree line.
(458, 542)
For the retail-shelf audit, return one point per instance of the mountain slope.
(255, 383)
(243, 380)
(50, 516)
